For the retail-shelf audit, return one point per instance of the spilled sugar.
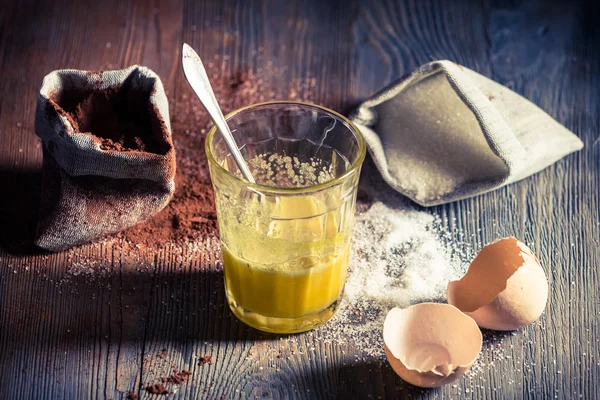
(398, 259)
(400, 256)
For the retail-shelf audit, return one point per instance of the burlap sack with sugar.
(109, 160)
(444, 133)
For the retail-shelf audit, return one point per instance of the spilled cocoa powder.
(157, 388)
(203, 360)
(162, 373)
(179, 377)
(189, 216)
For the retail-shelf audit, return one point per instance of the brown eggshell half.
(505, 287)
(430, 344)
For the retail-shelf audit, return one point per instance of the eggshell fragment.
(430, 344)
(505, 287)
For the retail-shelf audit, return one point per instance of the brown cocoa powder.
(189, 216)
(157, 388)
(179, 377)
(204, 360)
(162, 373)
(119, 118)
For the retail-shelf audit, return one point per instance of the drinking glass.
(286, 238)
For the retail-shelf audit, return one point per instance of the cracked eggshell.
(430, 344)
(505, 287)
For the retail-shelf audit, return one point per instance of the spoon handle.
(196, 76)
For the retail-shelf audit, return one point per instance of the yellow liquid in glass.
(296, 272)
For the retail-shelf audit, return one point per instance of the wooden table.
(69, 338)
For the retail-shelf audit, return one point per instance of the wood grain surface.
(101, 334)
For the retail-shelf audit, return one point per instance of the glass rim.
(356, 164)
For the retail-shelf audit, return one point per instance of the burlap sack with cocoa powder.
(109, 160)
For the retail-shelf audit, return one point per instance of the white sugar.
(400, 256)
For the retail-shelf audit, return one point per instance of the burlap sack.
(444, 133)
(118, 173)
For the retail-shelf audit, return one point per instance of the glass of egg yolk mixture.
(286, 238)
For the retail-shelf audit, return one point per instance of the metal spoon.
(196, 75)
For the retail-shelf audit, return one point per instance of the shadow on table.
(123, 306)
(361, 380)
(19, 204)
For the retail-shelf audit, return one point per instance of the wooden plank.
(93, 322)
